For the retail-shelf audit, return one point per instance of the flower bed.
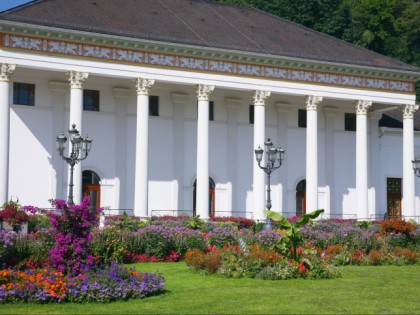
(101, 284)
(68, 273)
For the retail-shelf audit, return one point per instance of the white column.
(121, 97)
(6, 71)
(76, 109)
(312, 152)
(232, 105)
(202, 190)
(362, 210)
(259, 139)
(408, 202)
(374, 118)
(142, 148)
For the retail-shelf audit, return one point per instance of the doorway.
(212, 202)
(301, 197)
(393, 196)
(92, 189)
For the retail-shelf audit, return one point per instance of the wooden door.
(394, 197)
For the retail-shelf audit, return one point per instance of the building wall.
(37, 174)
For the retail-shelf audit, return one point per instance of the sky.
(8, 4)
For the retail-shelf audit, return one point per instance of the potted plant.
(13, 215)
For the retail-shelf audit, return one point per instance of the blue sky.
(7, 4)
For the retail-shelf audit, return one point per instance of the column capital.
(232, 103)
(59, 87)
(143, 86)
(362, 107)
(312, 102)
(6, 70)
(179, 98)
(77, 79)
(121, 93)
(375, 115)
(260, 96)
(408, 110)
(203, 91)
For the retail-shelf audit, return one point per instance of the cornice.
(127, 43)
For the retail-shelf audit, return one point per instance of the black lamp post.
(274, 158)
(416, 165)
(78, 144)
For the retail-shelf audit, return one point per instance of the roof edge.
(203, 52)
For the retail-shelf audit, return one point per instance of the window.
(23, 94)
(211, 110)
(302, 118)
(153, 105)
(251, 114)
(349, 122)
(91, 100)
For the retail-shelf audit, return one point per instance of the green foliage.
(293, 236)
(195, 223)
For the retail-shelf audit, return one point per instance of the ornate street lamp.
(275, 159)
(416, 165)
(78, 145)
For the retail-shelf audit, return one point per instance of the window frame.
(302, 118)
(349, 122)
(96, 100)
(19, 88)
(153, 105)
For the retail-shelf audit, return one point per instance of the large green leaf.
(306, 217)
(279, 218)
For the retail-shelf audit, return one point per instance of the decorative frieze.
(260, 97)
(408, 110)
(312, 102)
(91, 51)
(362, 107)
(143, 86)
(77, 79)
(203, 92)
(6, 71)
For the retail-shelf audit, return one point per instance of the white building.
(177, 94)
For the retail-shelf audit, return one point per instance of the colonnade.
(143, 87)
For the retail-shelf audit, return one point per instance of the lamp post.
(274, 159)
(416, 165)
(78, 144)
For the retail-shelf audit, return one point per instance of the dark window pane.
(91, 100)
(211, 110)
(23, 93)
(350, 122)
(251, 114)
(302, 118)
(153, 105)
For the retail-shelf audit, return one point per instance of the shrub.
(223, 235)
(72, 226)
(396, 226)
(13, 214)
(268, 239)
(239, 222)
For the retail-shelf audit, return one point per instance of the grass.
(362, 290)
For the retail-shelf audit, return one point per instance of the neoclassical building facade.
(177, 97)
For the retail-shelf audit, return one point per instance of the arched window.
(92, 188)
(212, 187)
(301, 197)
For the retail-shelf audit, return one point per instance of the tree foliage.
(389, 27)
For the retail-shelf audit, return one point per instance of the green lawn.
(362, 290)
